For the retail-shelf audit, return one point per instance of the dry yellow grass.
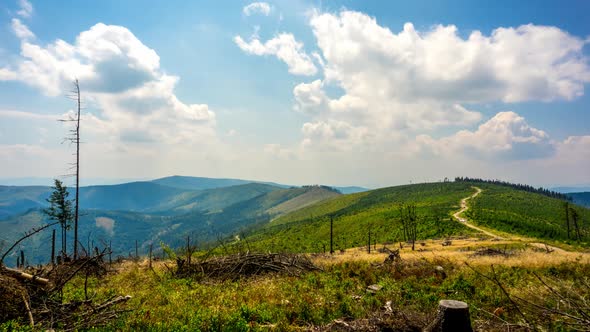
(522, 254)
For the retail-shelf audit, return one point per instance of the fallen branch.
(28, 307)
(112, 302)
(27, 235)
(26, 276)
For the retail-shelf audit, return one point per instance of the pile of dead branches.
(35, 296)
(492, 252)
(238, 266)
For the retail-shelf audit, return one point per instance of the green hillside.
(256, 211)
(308, 229)
(524, 213)
(498, 207)
(308, 197)
(134, 196)
(14, 199)
(253, 204)
(211, 200)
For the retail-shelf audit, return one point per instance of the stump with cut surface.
(451, 316)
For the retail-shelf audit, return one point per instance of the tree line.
(518, 186)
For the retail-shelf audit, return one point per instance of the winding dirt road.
(464, 207)
(464, 221)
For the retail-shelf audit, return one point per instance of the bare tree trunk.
(63, 241)
(567, 218)
(188, 249)
(369, 243)
(53, 248)
(575, 218)
(150, 264)
(77, 87)
(331, 235)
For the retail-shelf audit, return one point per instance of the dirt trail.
(464, 221)
(464, 207)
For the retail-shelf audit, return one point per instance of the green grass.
(525, 213)
(308, 229)
(163, 303)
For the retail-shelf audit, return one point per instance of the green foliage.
(60, 207)
(164, 303)
(525, 213)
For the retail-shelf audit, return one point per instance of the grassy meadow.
(162, 302)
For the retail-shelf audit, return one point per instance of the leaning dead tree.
(74, 138)
(35, 295)
(26, 236)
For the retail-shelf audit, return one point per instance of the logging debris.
(35, 296)
(242, 265)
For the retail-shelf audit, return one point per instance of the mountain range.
(164, 209)
(272, 216)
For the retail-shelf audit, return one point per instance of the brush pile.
(492, 252)
(35, 297)
(242, 265)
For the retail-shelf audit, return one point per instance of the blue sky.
(366, 93)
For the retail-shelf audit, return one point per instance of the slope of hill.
(308, 229)
(14, 200)
(313, 195)
(200, 183)
(498, 207)
(253, 212)
(211, 200)
(252, 205)
(524, 213)
(134, 196)
(351, 189)
(145, 197)
(582, 198)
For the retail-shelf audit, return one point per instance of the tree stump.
(451, 316)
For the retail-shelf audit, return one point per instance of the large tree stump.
(451, 316)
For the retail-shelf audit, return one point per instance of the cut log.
(451, 316)
(25, 276)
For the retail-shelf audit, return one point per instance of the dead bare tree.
(26, 236)
(409, 222)
(575, 218)
(566, 205)
(74, 138)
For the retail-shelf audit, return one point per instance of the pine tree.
(60, 209)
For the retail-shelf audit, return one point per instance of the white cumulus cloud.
(119, 75)
(21, 30)
(26, 9)
(285, 47)
(507, 136)
(257, 8)
(410, 83)
(528, 62)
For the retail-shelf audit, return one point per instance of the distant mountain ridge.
(572, 189)
(218, 212)
(168, 195)
(201, 183)
(582, 198)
